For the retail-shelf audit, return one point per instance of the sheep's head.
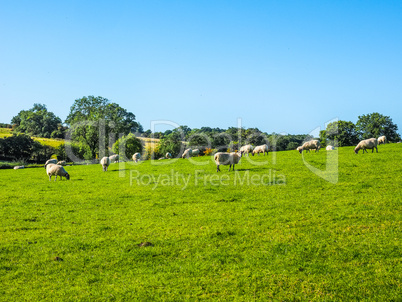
(357, 150)
(67, 176)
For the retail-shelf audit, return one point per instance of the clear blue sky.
(280, 66)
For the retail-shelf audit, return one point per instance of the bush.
(41, 153)
(292, 146)
(152, 153)
(127, 146)
(17, 147)
(208, 152)
(172, 144)
(4, 125)
(70, 152)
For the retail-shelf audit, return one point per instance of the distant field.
(5, 132)
(269, 231)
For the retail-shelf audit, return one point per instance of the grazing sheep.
(168, 155)
(18, 167)
(382, 140)
(195, 152)
(50, 161)
(161, 158)
(137, 157)
(299, 148)
(56, 170)
(105, 162)
(370, 143)
(225, 158)
(310, 145)
(61, 163)
(187, 153)
(114, 158)
(246, 149)
(329, 148)
(260, 149)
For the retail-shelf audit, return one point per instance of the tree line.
(96, 127)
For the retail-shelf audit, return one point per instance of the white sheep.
(382, 140)
(50, 161)
(329, 148)
(61, 163)
(310, 145)
(18, 167)
(195, 152)
(261, 149)
(161, 158)
(370, 143)
(56, 170)
(137, 157)
(114, 158)
(246, 149)
(225, 158)
(299, 148)
(168, 155)
(105, 162)
(187, 153)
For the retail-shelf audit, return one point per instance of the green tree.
(375, 125)
(18, 147)
(97, 123)
(172, 143)
(37, 121)
(127, 145)
(341, 133)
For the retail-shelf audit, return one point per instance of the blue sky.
(280, 66)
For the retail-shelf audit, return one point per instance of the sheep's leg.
(217, 168)
(55, 177)
(230, 167)
(50, 177)
(376, 149)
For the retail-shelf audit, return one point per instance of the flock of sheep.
(55, 168)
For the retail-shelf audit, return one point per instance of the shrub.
(41, 153)
(17, 147)
(127, 146)
(72, 151)
(208, 151)
(171, 143)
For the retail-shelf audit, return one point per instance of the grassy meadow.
(270, 231)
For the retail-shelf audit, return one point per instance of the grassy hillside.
(268, 231)
(5, 132)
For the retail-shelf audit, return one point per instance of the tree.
(37, 121)
(18, 147)
(375, 125)
(127, 146)
(341, 133)
(172, 143)
(97, 123)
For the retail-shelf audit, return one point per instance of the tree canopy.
(98, 123)
(38, 121)
(341, 134)
(375, 125)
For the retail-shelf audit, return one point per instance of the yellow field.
(5, 132)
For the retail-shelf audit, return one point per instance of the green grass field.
(270, 231)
